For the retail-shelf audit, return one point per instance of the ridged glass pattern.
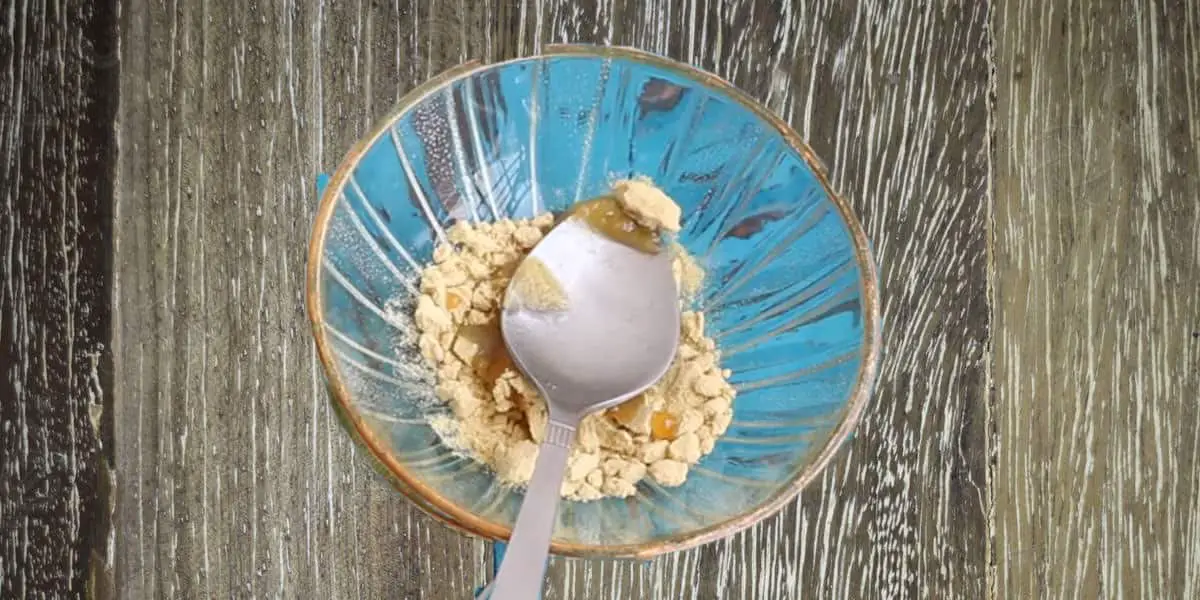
(783, 296)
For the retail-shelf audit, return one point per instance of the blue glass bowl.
(790, 297)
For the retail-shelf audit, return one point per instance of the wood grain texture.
(235, 478)
(57, 100)
(236, 481)
(1097, 288)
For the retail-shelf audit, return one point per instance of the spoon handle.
(520, 576)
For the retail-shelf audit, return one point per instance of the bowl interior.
(784, 296)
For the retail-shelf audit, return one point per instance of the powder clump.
(498, 417)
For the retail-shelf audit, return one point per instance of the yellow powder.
(535, 287)
(498, 417)
(688, 273)
(647, 204)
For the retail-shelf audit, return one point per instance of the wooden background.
(1027, 171)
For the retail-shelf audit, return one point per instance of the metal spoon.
(616, 336)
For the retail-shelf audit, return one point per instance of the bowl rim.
(449, 512)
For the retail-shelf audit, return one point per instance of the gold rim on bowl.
(460, 518)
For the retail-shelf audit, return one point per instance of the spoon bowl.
(619, 330)
(613, 337)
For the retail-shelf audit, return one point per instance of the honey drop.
(497, 364)
(628, 410)
(492, 358)
(605, 215)
(663, 426)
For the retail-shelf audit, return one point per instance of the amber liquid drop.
(663, 426)
(605, 215)
(493, 358)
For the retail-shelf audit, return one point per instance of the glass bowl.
(790, 297)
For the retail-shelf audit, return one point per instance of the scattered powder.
(498, 416)
(688, 273)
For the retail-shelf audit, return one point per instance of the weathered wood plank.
(57, 101)
(1097, 264)
(235, 480)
